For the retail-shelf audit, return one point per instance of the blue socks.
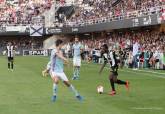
(72, 88)
(55, 86)
(76, 72)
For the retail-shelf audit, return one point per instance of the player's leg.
(73, 89)
(55, 86)
(12, 63)
(9, 63)
(74, 73)
(74, 69)
(77, 64)
(78, 67)
(78, 71)
(135, 63)
(121, 82)
(113, 92)
(70, 86)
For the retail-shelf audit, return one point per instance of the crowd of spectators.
(21, 44)
(151, 52)
(102, 9)
(21, 11)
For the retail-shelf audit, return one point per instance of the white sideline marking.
(126, 70)
(144, 74)
(147, 108)
(152, 72)
(129, 70)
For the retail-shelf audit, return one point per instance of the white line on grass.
(130, 70)
(147, 108)
(153, 75)
(151, 72)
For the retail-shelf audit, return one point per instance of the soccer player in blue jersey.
(57, 71)
(77, 49)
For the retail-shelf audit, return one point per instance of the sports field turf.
(25, 91)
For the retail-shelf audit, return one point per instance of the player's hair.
(58, 42)
(105, 47)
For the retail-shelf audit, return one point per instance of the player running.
(77, 49)
(114, 66)
(57, 71)
(10, 55)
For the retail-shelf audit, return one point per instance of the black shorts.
(10, 59)
(86, 52)
(114, 73)
(157, 60)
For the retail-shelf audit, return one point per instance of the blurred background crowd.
(23, 11)
(151, 52)
(13, 12)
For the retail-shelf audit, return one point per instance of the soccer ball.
(100, 89)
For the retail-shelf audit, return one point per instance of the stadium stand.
(152, 50)
(22, 11)
(96, 11)
(88, 12)
(21, 43)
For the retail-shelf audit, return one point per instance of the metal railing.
(122, 16)
(108, 18)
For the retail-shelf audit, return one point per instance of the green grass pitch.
(25, 91)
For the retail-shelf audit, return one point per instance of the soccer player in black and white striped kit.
(111, 58)
(10, 56)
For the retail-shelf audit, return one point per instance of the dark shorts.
(164, 67)
(114, 73)
(10, 59)
(157, 60)
(86, 52)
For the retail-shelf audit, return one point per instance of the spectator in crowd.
(139, 48)
(96, 11)
(22, 12)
